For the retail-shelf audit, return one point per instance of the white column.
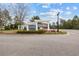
(48, 27)
(27, 27)
(21, 27)
(36, 26)
(18, 27)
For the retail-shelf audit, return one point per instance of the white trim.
(27, 27)
(36, 26)
(48, 26)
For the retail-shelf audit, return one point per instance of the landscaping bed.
(40, 32)
(31, 32)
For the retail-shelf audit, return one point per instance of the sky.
(48, 11)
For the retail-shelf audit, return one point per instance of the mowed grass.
(8, 31)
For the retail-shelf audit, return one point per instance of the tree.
(20, 11)
(35, 18)
(71, 23)
(53, 26)
(75, 17)
(75, 22)
(1, 21)
(62, 21)
(17, 22)
(6, 17)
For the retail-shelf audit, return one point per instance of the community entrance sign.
(36, 25)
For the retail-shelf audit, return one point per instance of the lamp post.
(58, 21)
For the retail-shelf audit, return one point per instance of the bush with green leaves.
(31, 32)
(7, 28)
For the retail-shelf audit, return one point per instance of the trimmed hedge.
(31, 32)
(39, 32)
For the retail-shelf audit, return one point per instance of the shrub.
(7, 28)
(60, 32)
(31, 32)
(39, 32)
(52, 30)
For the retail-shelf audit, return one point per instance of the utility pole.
(58, 21)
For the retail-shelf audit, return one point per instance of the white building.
(36, 25)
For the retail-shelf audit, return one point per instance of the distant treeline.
(68, 24)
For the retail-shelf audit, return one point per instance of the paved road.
(40, 45)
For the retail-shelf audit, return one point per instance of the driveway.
(40, 45)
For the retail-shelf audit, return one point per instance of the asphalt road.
(40, 45)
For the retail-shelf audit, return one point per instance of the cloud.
(67, 8)
(45, 5)
(52, 13)
(68, 13)
(60, 4)
(75, 8)
(34, 11)
(57, 10)
(72, 8)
